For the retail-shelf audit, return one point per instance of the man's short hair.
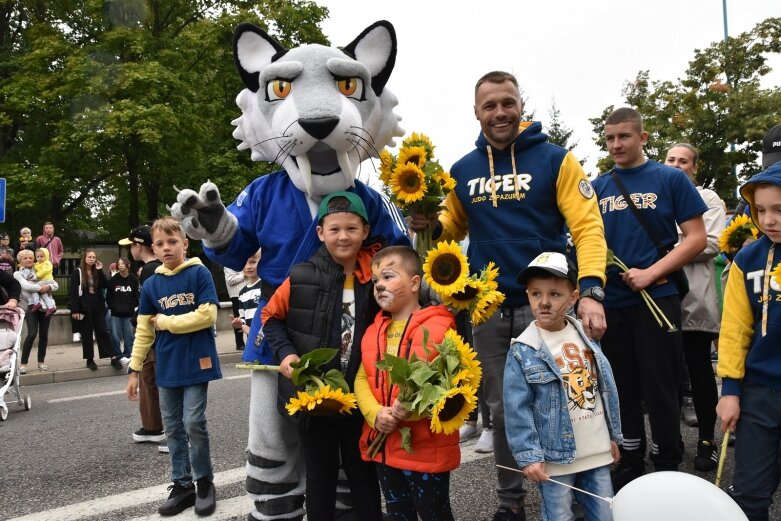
(410, 261)
(496, 77)
(168, 225)
(691, 148)
(626, 115)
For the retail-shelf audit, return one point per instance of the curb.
(69, 375)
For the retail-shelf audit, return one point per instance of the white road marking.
(86, 396)
(237, 377)
(132, 499)
(230, 508)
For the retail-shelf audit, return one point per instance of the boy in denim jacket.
(561, 404)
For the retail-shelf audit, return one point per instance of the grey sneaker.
(485, 443)
(181, 498)
(205, 501)
(468, 431)
(687, 412)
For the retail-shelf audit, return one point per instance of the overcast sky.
(578, 52)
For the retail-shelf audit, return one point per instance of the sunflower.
(420, 140)
(321, 401)
(387, 164)
(470, 371)
(736, 233)
(489, 275)
(462, 300)
(446, 269)
(776, 273)
(453, 409)
(445, 181)
(414, 155)
(486, 306)
(408, 183)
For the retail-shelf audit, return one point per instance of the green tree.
(558, 132)
(718, 103)
(105, 105)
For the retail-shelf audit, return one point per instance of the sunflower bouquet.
(443, 389)
(656, 311)
(736, 233)
(324, 393)
(446, 270)
(416, 182)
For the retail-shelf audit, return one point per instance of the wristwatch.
(594, 292)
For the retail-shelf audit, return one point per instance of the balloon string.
(609, 500)
(722, 457)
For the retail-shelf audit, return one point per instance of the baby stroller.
(11, 321)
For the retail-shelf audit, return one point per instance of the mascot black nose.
(318, 128)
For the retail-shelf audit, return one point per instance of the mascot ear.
(375, 47)
(253, 49)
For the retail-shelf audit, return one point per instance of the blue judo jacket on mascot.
(318, 112)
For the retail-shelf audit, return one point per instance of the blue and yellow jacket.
(515, 204)
(751, 324)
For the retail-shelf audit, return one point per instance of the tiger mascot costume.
(318, 112)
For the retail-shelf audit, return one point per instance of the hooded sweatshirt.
(44, 269)
(185, 303)
(751, 326)
(515, 204)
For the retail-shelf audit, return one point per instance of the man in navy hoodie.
(515, 194)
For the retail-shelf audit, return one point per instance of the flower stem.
(376, 445)
(257, 367)
(653, 307)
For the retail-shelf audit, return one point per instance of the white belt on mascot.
(318, 112)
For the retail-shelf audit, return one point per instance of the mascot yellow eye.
(351, 87)
(278, 89)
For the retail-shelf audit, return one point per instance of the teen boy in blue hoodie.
(749, 354)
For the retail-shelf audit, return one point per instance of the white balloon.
(674, 496)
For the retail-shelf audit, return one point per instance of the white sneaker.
(163, 448)
(23, 369)
(468, 431)
(124, 361)
(485, 444)
(76, 337)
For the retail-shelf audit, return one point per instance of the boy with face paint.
(415, 484)
(554, 362)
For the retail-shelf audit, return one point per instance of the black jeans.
(237, 333)
(325, 441)
(95, 320)
(696, 350)
(646, 362)
(412, 494)
(37, 325)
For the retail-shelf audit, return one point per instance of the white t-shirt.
(586, 411)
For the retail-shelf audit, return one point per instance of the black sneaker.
(707, 458)
(204, 501)
(507, 514)
(181, 498)
(92, 365)
(116, 364)
(144, 436)
(622, 474)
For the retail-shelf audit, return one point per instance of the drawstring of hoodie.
(494, 197)
(766, 287)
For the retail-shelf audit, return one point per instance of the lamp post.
(726, 35)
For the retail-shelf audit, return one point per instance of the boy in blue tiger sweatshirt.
(178, 309)
(749, 354)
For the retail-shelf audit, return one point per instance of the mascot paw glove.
(204, 217)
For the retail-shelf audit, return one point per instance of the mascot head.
(315, 110)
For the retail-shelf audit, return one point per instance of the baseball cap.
(141, 235)
(771, 147)
(554, 263)
(351, 204)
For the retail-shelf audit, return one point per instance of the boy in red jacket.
(415, 484)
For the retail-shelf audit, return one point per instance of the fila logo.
(776, 144)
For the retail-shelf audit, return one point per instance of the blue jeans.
(184, 419)
(557, 499)
(122, 329)
(757, 469)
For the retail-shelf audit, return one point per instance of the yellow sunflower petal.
(486, 306)
(446, 269)
(414, 155)
(387, 164)
(450, 413)
(322, 401)
(421, 140)
(445, 181)
(776, 273)
(462, 300)
(408, 183)
(736, 233)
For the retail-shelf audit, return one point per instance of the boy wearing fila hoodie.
(177, 313)
(749, 354)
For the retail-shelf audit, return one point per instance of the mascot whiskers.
(318, 112)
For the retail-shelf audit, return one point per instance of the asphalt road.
(72, 457)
